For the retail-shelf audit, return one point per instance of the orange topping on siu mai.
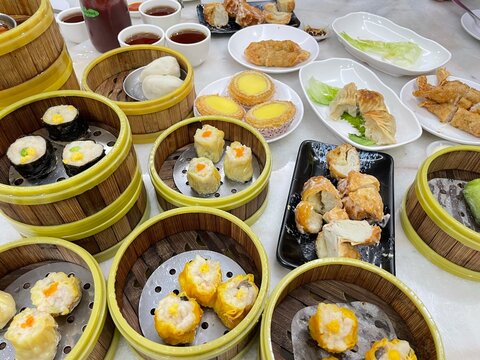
(206, 133)
(239, 151)
(201, 166)
(49, 291)
(28, 322)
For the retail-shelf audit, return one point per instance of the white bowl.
(241, 39)
(339, 72)
(126, 33)
(74, 32)
(164, 21)
(196, 53)
(364, 25)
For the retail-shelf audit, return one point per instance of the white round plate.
(339, 72)
(469, 24)
(282, 92)
(241, 39)
(429, 121)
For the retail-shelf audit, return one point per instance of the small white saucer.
(469, 24)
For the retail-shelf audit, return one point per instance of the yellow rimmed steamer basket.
(105, 76)
(164, 236)
(97, 208)
(98, 338)
(340, 280)
(247, 204)
(33, 56)
(432, 230)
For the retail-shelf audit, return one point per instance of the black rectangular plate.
(232, 27)
(294, 248)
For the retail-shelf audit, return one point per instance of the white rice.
(14, 152)
(88, 148)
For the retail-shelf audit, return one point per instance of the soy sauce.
(188, 36)
(142, 38)
(73, 18)
(160, 11)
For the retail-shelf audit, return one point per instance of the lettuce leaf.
(362, 140)
(402, 53)
(320, 92)
(356, 121)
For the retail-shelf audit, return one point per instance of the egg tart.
(271, 118)
(251, 88)
(219, 105)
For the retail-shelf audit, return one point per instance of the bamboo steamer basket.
(96, 208)
(334, 280)
(171, 233)
(147, 119)
(432, 230)
(99, 339)
(33, 56)
(248, 204)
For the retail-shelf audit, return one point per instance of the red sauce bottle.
(104, 20)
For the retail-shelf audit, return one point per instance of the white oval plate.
(364, 25)
(429, 121)
(339, 72)
(469, 25)
(282, 92)
(241, 39)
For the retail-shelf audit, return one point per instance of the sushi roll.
(200, 278)
(56, 294)
(176, 318)
(203, 176)
(208, 142)
(238, 162)
(78, 156)
(334, 328)
(32, 156)
(390, 350)
(7, 308)
(34, 335)
(235, 298)
(63, 123)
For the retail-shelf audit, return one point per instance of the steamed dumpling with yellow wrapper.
(176, 318)
(34, 335)
(235, 298)
(203, 176)
(56, 294)
(7, 308)
(334, 328)
(238, 162)
(390, 350)
(200, 278)
(208, 142)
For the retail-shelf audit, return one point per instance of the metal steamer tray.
(227, 186)
(98, 134)
(164, 280)
(70, 327)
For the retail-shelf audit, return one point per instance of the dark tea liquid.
(188, 36)
(142, 38)
(160, 10)
(73, 18)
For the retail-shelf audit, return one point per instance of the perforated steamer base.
(164, 280)
(70, 327)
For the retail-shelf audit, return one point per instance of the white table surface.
(454, 303)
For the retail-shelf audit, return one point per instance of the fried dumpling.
(467, 121)
(335, 214)
(444, 112)
(351, 231)
(333, 247)
(343, 159)
(275, 53)
(380, 126)
(357, 180)
(307, 219)
(345, 101)
(365, 203)
(321, 193)
(369, 100)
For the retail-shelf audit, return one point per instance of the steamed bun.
(155, 86)
(166, 65)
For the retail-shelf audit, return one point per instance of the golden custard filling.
(222, 104)
(270, 111)
(252, 84)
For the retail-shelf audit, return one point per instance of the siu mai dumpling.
(7, 308)
(238, 162)
(203, 176)
(390, 349)
(380, 126)
(209, 142)
(345, 101)
(369, 100)
(34, 335)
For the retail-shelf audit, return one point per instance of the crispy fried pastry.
(232, 6)
(369, 100)
(342, 160)
(276, 53)
(273, 16)
(467, 121)
(215, 14)
(248, 15)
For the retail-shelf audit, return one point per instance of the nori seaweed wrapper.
(471, 192)
(41, 167)
(73, 170)
(68, 131)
